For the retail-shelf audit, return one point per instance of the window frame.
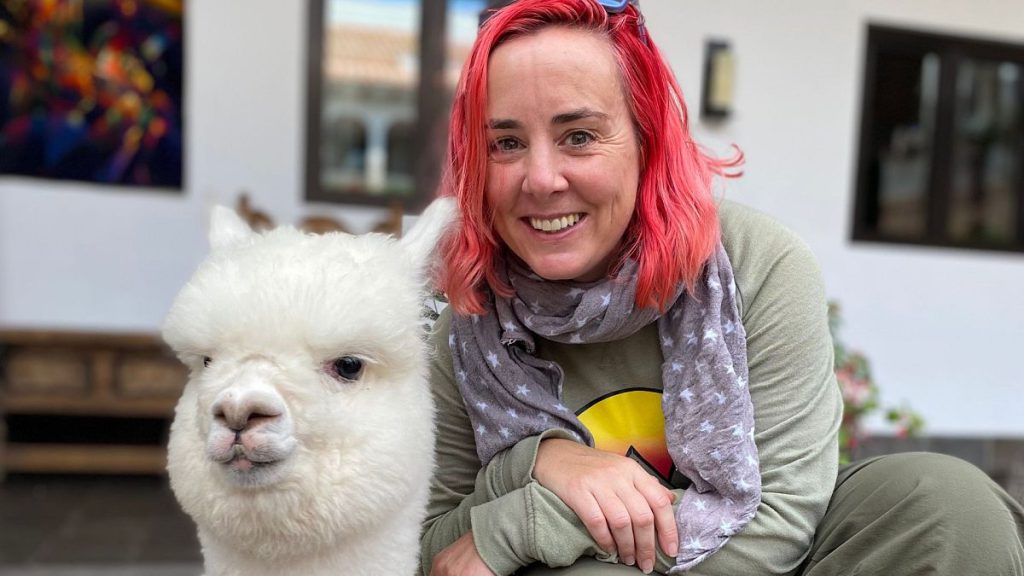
(430, 119)
(952, 50)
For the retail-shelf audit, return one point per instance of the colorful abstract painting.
(91, 90)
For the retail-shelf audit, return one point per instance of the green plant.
(860, 394)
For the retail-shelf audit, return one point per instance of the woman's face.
(563, 170)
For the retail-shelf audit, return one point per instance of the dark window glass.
(344, 154)
(988, 145)
(400, 150)
(942, 142)
(906, 95)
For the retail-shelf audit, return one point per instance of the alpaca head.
(307, 414)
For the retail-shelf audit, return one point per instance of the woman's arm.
(515, 521)
(498, 500)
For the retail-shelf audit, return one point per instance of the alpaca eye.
(348, 367)
(206, 361)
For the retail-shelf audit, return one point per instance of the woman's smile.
(556, 224)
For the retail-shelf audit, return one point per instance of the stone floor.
(85, 525)
(121, 526)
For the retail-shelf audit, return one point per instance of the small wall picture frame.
(719, 81)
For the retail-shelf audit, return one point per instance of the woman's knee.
(920, 513)
(953, 503)
(943, 487)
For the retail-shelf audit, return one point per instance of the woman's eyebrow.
(563, 118)
(503, 124)
(578, 114)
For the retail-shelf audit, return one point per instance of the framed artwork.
(91, 90)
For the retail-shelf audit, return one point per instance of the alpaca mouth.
(244, 464)
(249, 470)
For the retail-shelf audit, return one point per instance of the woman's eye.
(502, 145)
(206, 361)
(579, 139)
(348, 367)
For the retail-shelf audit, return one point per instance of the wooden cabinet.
(56, 386)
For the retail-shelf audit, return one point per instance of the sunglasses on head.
(619, 6)
(616, 6)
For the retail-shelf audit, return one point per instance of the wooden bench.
(59, 391)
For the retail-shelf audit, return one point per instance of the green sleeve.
(497, 500)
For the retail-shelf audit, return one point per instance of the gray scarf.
(511, 394)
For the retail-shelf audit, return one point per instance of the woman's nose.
(544, 172)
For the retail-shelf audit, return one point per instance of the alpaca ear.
(421, 240)
(227, 228)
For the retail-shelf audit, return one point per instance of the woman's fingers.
(620, 519)
(660, 500)
(639, 530)
(591, 513)
(460, 558)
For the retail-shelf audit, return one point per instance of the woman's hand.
(624, 508)
(460, 558)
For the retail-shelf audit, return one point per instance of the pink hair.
(674, 229)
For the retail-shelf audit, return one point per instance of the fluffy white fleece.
(289, 459)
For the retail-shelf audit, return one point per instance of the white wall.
(942, 327)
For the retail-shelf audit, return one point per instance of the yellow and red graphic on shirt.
(631, 423)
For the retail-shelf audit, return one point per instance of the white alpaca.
(303, 442)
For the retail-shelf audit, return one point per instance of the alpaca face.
(307, 413)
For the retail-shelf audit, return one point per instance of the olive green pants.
(900, 515)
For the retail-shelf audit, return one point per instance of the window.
(375, 121)
(942, 142)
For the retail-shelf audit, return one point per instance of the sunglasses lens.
(613, 6)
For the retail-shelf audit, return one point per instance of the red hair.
(674, 229)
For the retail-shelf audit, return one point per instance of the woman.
(633, 376)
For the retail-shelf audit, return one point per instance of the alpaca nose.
(241, 410)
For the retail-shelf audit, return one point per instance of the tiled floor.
(57, 526)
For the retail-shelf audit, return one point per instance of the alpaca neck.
(392, 547)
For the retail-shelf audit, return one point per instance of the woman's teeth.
(556, 224)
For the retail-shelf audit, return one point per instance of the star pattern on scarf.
(705, 381)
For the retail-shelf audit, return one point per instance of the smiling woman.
(594, 278)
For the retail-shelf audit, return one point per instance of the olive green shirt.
(797, 410)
